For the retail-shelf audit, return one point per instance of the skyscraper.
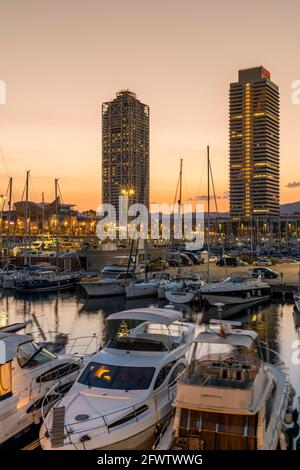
(254, 144)
(125, 150)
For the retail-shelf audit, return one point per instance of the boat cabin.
(147, 330)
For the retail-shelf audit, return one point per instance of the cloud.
(294, 184)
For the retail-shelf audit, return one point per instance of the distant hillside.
(292, 208)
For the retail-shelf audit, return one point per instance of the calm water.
(70, 312)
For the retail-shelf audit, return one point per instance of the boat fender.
(288, 419)
(35, 418)
(248, 295)
(282, 441)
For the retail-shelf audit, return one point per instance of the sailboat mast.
(180, 199)
(56, 221)
(26, 213)
(43, 214)
(9, 217)
(180, 184)
(208, 213)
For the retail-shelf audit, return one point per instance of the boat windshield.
(116, 377)
(31, 355)
(235, 280)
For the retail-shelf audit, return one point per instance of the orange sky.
(60, 59)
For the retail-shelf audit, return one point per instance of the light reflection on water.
(70, 312)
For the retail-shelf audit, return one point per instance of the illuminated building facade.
(125, 150)
(254, 145)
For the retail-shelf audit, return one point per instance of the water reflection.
(69, 312)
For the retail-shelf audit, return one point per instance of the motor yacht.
(107, 286)
(124, 394)
(230, 399)
(29, 372)
(239, 288)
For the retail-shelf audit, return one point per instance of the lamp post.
(2, 202)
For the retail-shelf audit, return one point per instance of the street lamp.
(2, 202)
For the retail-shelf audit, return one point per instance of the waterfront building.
(125, 150)
(254, 145)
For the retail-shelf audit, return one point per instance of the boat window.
(5, 380)
(57, 372)
(31, 355)
(162, 375)
(116, 377)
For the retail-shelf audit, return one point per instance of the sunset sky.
(60, 59)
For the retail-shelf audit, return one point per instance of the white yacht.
(125, 392)
(29, 372)
(107, 286)
(230, 399)
(239, 288)
(147, 288)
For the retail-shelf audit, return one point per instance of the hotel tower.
(125, 150)
(254, 145)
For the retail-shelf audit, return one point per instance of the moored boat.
(107, 286)
(230, 399)
(29, 372)
(125, 392)
(239, 288)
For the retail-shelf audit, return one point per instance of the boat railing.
(79, 346)
(107, 421)
(75, 345)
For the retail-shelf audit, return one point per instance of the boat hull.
(179, 297)
(140, 291)
(213, 299)
(49, 288)
(94, 289)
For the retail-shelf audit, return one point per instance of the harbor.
(149, 233)
(82, 319)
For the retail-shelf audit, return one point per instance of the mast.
(43, 214)
(9, 217)
(208, 213)
(26, 214)
(180, 184)
(180, 198)
(56, 221)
